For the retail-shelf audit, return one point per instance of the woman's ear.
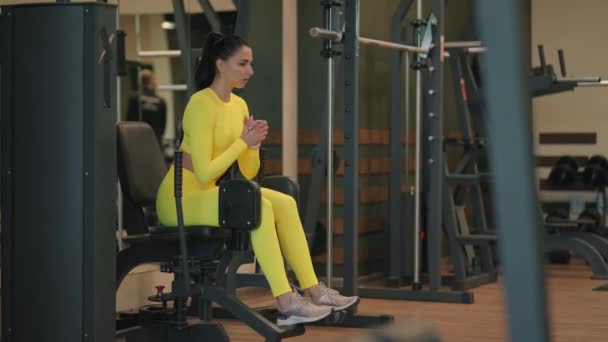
(219, 64)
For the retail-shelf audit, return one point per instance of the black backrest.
(141, 166)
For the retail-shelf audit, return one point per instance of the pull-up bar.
(593, 84)
(463, 44)
(335, 36)
(579, 79)
(160, 53)
(477, 49)
(394, 46)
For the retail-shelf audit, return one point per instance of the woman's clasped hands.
(254, 132)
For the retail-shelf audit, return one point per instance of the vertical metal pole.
(396, 234)
(212, 17)
(509, 109)
(181, 23)
(7, 303)
(434, 118)
(417, 188)
(330, 148)
(407, 120)
(395, 128)
(317, 182)
(289, 93)
(319, 172)
(409, 194)
(351, 147)
(138, 49)
(119, 199)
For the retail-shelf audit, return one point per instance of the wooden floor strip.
(577, 313)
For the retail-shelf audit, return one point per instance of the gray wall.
(579, 29)
(263, 93)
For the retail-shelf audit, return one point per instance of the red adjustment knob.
(159, 290)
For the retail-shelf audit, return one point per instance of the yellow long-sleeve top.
(212, 136)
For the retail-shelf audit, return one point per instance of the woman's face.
(237, 69)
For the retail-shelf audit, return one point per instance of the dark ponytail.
(216, 47)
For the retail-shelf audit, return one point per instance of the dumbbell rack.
(567, 235)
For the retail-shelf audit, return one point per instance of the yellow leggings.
(280, 228)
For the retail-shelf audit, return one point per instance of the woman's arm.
(199, 125)
(249, 163)
(249, 160)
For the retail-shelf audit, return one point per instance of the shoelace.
(299, 296)
(329, 291)
(321, 284)
(298, 289)
(295, 303)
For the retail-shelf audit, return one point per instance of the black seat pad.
(192, 232)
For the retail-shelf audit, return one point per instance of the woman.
(219, 131)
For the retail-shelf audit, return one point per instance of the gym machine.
(565, 234)
(579, 236)
(58, 173)
(200, 257)
(543, 80)
(427, 58)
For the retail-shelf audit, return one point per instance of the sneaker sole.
(297, 319)
(346, 306)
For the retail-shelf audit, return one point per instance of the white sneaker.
(302, 310)
(334, 299)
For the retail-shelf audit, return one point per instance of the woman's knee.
(266, 204)
(267, 223)
(284, 203)
(267, 209)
